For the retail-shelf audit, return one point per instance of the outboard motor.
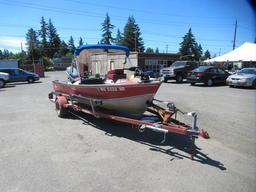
(72, 74)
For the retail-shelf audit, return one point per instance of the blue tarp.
(103, 48)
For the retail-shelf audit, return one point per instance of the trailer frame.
(167, 123)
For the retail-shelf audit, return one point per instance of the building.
(61, 63)
(8, 63)
(96, 64)
(156, 61)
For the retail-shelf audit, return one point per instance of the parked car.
(18, 75)
(208, 75)
(178, 70)
(245, 77)
(4, 78)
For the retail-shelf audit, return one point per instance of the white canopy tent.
(246, 52)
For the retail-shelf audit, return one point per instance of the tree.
(149, 50)
(71, 44)
(157, 50)
(43, 36)
(207, 54)
(81, 42)
(132, 36)
(54, 40)
(106, 29)
(63, 49)
(1, 54)
(119, 37)
(6, 54)
(32, 45)
(189, 47)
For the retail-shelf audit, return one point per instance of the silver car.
(245, 77)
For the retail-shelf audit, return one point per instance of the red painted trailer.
(165, 112)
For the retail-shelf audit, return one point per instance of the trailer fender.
(62, 100)
(61, 106)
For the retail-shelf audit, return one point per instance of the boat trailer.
(161, 110)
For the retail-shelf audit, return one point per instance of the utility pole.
(21, 47)
(234, 41)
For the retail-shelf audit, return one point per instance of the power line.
(98, 15)
(142, 11)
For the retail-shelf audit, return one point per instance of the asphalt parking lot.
(41, 152)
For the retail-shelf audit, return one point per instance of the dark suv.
(178, 70)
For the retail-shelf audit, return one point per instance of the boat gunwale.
(109, 85)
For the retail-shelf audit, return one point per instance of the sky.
(163, 23)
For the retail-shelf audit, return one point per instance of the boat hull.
(125, 99)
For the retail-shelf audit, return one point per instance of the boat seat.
(116, 74)
(93, 80)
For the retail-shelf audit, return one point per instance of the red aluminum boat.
(125, 97)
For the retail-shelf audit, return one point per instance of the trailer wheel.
(60, 109)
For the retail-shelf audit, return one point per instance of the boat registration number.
(111, 89)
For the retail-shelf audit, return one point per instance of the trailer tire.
(60, 109)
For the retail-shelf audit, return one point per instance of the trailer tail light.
(200, 74)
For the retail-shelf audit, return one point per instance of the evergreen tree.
(32, 45)
(157, 50)
(200, 50)
(6, 54)
(189, 47)
(81, 42)
(1, 54)
(106, 29)
(43, 36)
(149, 50)
(119, 37)
(132, 36)
(54, 40)
(63, 49)
(207, 54)
(71, 45)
